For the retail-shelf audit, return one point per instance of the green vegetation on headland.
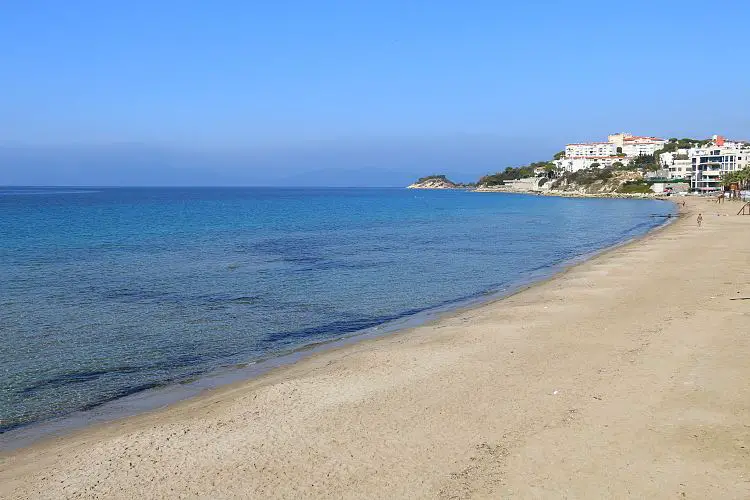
(440, 177)
(439, 181)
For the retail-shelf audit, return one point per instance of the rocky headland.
(434, 182)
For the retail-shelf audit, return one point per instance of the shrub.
(632, 187)
(491, 180)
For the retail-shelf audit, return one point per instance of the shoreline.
(163, 397)
(561, 194)
(590, 383)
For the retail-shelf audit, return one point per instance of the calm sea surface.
(106, 292)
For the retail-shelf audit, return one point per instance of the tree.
(618, 165)
(559, 155)
(685, 143)
(491, 180)
(645, 162)
(739, 177)
(512, 173)
(595, 165)
(729, 178)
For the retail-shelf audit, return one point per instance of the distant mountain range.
(394, 163)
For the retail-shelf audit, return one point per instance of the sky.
(342, 92)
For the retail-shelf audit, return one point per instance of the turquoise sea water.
(106, 292)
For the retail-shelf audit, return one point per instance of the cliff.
(600, 181)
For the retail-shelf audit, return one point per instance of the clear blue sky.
(265, 89)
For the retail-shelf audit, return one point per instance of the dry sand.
(626, 376)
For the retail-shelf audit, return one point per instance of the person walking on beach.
(700, 219)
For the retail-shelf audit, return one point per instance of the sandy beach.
(623, 377)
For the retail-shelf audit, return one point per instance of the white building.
(574, 164)
(705, 166)
(681, 168)
(619, 147)
(590, 149)
(743, 157)
(708, 164)
(677, 163)
(721, 141)
(636, 145)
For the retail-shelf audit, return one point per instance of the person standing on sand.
(700, 219)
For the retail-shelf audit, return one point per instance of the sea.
(106, 293)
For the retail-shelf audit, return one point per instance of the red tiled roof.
(641, 138)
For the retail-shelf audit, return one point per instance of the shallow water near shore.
(110, 293)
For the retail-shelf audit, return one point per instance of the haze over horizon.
(332, 93)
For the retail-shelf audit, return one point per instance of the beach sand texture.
(624, 377)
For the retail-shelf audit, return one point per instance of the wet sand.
(625, 376)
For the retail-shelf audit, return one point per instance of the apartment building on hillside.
(708, 165)
(574, 164)
(705, 166)
(635, 145)
(590, 149)
(619, 148)
(638, 146)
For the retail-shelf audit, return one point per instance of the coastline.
(401, 414)
(163, 396)
(552, 193)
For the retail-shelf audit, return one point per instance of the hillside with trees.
(515, 173)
